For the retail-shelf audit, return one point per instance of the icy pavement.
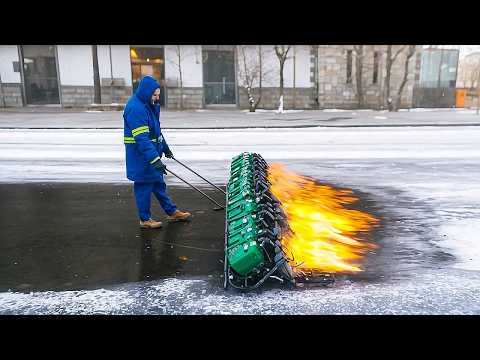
(98, 155)
(423, 183)
(452, 292)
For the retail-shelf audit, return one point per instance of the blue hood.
(146, 88)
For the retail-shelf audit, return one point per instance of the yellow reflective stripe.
(158, 157)
(131, 140)
(139, 130)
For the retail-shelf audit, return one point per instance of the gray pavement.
(47, 118)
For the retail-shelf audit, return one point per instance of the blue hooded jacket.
(144, 143)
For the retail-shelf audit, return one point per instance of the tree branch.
(398, 52)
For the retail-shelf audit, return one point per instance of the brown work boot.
(179, 216)
(150, 224)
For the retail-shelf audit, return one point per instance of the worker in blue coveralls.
(144, 147)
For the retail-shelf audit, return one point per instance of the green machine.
(254, 223)
(253, 226)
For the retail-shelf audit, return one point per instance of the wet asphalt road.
(83, 236)
(76, 249)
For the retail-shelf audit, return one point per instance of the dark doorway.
(219, 76)
(148, 61)
(40, 74)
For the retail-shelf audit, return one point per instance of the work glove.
(160, 166)
(168, 154)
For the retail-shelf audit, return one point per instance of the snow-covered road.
(98, 155)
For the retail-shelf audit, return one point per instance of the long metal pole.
(200, 191)
(199, 175)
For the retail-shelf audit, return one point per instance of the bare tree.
(478, 89)
(359, 56)
(473, 76)
(1, 92)
(468, 69)
(294, 76)
(250, 72)
(388, 67)
(282, 53)
(178, 63)
(410, 53)
(97, 90)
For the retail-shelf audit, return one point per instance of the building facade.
(436, 87)
(199, 76)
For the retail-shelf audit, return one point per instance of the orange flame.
(324, 234)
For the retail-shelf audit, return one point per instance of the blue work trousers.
(143, 192)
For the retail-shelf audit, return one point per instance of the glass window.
(219, 76)
(439, 68)
(40, 74)
(376, 56)
(349, 66)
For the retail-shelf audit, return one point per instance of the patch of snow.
(428, 292)
(432, 109)
(280, 106)
(91, 302)
(380, 117)
(462, 238)
(335, 110)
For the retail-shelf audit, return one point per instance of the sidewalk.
(240, 119)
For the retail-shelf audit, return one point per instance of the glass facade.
(439, 68)
(40, 74)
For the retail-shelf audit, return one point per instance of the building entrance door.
(148, 61)
(219, 77)
(40, 74)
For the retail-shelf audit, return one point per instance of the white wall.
(302, 67)
(270, 66)
(75, 65)
(8, 54)
(192, 66)
(121, 65)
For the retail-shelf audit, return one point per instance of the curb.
(249, 127)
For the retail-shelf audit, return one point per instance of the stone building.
(200, 76)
